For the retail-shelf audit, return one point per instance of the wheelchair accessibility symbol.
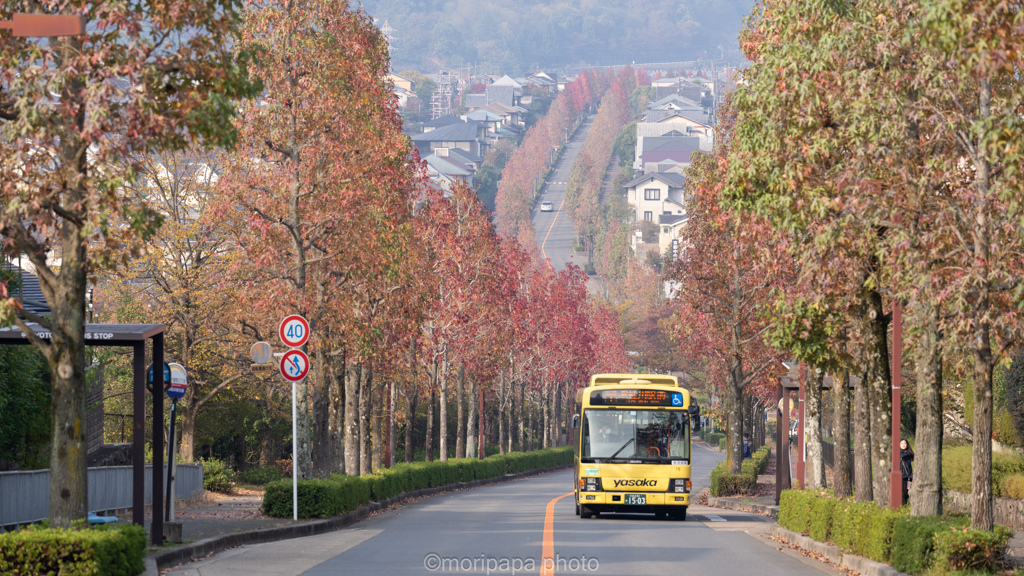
(677, 399)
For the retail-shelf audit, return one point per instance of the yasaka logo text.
(638, 483)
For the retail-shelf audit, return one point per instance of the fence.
(25, 496)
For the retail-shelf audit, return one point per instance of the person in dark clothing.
(746, 445)
(906, 468)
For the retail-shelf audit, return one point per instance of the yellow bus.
(632, 445)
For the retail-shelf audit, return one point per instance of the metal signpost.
(294, 332)
(175, 390)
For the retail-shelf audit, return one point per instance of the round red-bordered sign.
(294, 365)
(294, 331)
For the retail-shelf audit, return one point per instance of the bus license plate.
(636, 499)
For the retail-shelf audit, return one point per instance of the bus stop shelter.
(133, 336)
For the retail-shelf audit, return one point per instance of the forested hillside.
(514, 37)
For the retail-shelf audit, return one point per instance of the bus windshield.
(651, 435)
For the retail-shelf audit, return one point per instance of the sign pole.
(169, 507)
(295, 459)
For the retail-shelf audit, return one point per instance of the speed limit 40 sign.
(294, 331)
(294, 365)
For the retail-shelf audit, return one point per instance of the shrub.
(723, 444)
(956, 469)
(864, 528)
(257, 476)
(712, 438)
(913, 540)
(106, 550)
(795, 509)
(321, 498)
(217, 476)
(819, 521)
(965, 549)
(1013, 486)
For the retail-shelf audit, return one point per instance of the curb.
(201, 548)
(833, 554)
(740, 506)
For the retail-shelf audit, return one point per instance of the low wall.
(25, 495)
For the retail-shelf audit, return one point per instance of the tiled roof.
(446, 120)
(501, 94)
(460, 132)
(670, 178)
(483, 115)
(507, 81)
(476, 100)
(671, 219)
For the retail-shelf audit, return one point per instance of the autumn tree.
(142, 79)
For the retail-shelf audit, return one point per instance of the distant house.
(476, 101)
(659, 150)
(511, 115)
(681, 86)
(447, 170)
(656, 194)
(505, 91)
(490, 120)
(543, 80)
(468, 136)
(402, 82)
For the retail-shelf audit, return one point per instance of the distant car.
(546, 206)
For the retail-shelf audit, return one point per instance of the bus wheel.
(660, 514)
(680, 515)
(577, 508)
(585, 512)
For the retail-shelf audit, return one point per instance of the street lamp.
(38, 25)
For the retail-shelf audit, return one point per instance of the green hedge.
(100, 551)
(724, 484)
(322, 498)
(914, 540)
(916, 545)
(970, 550)
(712, 438)
(723, 444)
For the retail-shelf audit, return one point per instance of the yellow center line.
(547, 561)
(542, 244)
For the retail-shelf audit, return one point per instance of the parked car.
(546, 206)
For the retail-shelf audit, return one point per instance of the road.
(510, 528)
(554, 230)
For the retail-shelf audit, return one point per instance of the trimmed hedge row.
(713, 438)
(956, 472)
(724, 484)
(99, 551)
(915, 545)
(326, 497)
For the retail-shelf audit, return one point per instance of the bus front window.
(635, 434)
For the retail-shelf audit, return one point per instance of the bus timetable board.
(635, 397)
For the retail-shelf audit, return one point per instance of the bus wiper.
(623, 447)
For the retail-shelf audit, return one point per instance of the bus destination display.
(634, 397)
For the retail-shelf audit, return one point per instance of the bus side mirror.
(694, 417)
(575, 421)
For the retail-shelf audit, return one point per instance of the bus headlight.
(593, 485)
(679, 485)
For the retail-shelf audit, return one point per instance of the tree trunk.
(556, 411)
(981, 343)
(336, 416)
(880, 387)
(501, 412)
(376, 423)
(520, 417)
(392, 428)
(410, 422)
(442, 380)
(352, 377)
(546, 428)
(460, 414)
(428, 441)
(926, 490)
(68, 479)
(471, 419)
(319, 453)
(188, 427)
(365, 393)
(862, 488)
(734, 415)
(812, 438)
(529, 414)
(841, 435)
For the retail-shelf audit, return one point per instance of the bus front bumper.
(619, 498)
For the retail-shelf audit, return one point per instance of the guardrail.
(25, 495)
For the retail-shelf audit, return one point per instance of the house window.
(649, 216)
(652, 194)
(664, 230)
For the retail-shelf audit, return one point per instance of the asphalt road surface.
(554, 230)
(523, 527)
